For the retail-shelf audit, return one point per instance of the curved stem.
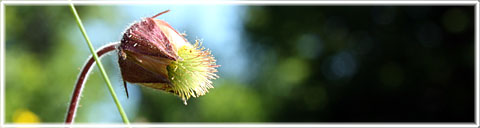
(82, 77)
(99, 64)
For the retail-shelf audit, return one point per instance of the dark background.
(378, 63)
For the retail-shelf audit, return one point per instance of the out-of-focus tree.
(364, 63)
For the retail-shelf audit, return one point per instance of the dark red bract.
(144, 53)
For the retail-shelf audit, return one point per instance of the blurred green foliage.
(228, 102)
(42, 63)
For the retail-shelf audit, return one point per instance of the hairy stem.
(82, 77)
(99, 64)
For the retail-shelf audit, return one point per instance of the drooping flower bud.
(155, 55)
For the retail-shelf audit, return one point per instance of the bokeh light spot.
(25, 116)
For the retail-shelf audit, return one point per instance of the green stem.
(99, 65)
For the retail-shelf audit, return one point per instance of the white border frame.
(336, 125)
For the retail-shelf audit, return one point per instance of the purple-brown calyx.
(144, 53)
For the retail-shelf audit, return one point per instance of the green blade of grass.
(99, 64)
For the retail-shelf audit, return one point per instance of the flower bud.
(155, 55)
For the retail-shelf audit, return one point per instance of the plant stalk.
(82, 78)
(100, 67)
